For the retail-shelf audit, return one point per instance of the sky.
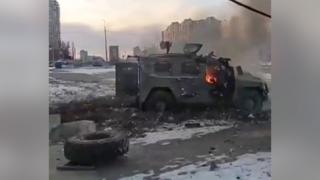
(130, 22)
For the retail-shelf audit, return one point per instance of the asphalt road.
(246, 138)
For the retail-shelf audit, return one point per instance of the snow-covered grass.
(246, 167)
(85, 70)
(66, 91)
(177, 132)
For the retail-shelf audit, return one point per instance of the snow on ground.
(85, 70)
(66, 91)
(249, 167)
(61, 91)
(266, 63)
(138, 176)
(169, 167)
(172, 131)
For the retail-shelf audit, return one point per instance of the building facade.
(83, 55)
(207, 31)
(113, 54)
(54, 30)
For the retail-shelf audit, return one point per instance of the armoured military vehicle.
(164, 81)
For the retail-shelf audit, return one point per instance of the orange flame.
(211, 78)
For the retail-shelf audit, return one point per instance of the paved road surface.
(247, 138)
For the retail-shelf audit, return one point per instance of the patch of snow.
(85, 70)
(165, 143)
(138, 176)
(269, 63)
(202, 156)
(211, 157)
(177, 132)
(248, 167)
(169, 167)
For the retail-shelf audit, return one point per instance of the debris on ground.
(213, 166)
(110, 112)
(74, 166)
(192, 125)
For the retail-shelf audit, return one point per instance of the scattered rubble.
(111, 112)
(192, 125)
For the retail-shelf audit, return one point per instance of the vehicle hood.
(248, 79)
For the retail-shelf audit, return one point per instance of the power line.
(251, 8)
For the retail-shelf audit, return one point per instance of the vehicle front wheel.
(159, 101)
(251, 101)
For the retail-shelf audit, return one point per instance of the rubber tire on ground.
(253, 95)
(82, 150)
(159, 96)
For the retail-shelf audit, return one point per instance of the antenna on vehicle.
(165, 44)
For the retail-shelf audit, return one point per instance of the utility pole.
(105, 40)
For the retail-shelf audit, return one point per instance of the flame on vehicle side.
(211, 77)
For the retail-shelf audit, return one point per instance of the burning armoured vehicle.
(162, 81)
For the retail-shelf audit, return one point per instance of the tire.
(251, 102)
(159, 101)
(98, 146)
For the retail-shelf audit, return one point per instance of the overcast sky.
(130, 22)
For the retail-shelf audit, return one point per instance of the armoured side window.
(162, 67)
(190, 68)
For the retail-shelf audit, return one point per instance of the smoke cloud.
(247, 37)
(244, 36)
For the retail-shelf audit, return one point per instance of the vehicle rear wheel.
(251, 101)
(159, 101)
